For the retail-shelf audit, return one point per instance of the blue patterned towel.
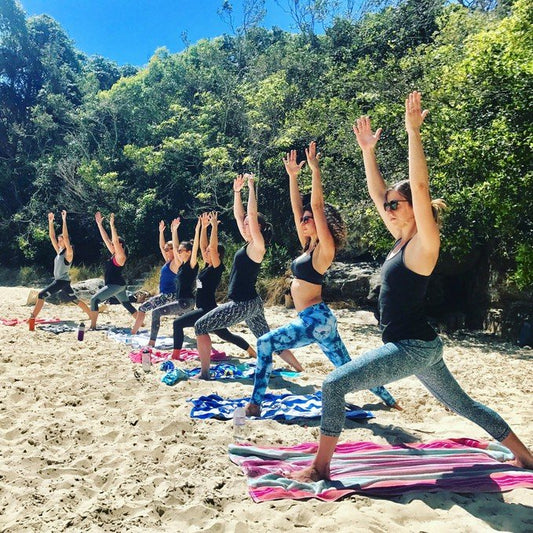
(274, 406)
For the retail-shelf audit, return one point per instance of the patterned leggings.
(397, 360)
(229, 313)
(189, 319)
(178, 307)
(156, 301)
(315, 323)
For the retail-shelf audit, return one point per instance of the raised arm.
(52, 232)
(162, 242)
(193, 261)
(326, 249)
(238, 207)
(105, 237)
(204, 221)
(120, 253)
(213, 239)
(69, 252)
(257, 249)
(377, 187)
(175, 240)
(427, 229)
(293, 169)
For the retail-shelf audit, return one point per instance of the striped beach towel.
(457, 465)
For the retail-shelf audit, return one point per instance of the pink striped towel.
(457, 465)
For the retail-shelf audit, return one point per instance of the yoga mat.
(457, 465)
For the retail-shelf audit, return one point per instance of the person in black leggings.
(206, 284)
(244, 301)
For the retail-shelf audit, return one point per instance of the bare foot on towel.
(309, 474)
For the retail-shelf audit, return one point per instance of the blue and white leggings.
(314, 324)
(397, 360)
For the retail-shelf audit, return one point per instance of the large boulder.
(352, 281)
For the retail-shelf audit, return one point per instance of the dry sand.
(86, 446)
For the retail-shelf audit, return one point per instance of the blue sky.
(129, 31)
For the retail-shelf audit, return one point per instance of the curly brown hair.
(336, 225)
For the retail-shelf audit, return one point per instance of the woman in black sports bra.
(321, 232)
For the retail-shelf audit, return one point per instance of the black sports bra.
(302, 268)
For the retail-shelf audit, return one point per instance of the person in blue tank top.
(62, 264)
(185, 254)
(411, 346)
(321, 232)
(244, 302)
(167, 280)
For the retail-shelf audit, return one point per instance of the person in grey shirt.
(62, 264)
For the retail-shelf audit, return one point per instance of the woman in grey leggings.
(115, 285)
(411, 346)
(245, 304)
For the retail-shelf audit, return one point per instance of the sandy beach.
(88, 442)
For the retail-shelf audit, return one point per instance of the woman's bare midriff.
(305, 294)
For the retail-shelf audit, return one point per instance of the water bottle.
(31, 323)
(81, 331)
(146, 362)
(239, 424)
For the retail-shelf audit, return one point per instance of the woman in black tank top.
(321, 232)
(207, 283)
(245, 304)
(114, 282)
(411, 346)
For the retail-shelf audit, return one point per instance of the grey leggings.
(397, 360)
(107, 292)
(175, 308)
(229, 313)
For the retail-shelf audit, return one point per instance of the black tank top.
(185, 280)
(401, 302)
(113, 273)
(242, 277)
(206, 285)
(302, 268)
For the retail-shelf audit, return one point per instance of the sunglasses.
(392, 205)
(305, 219)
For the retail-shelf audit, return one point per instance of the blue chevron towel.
(274, 406)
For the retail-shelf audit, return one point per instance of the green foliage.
(148, 144)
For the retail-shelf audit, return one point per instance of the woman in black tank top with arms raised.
(245, 304)
(115, 285)
(411, 346)
(321, 232)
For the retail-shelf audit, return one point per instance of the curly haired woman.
(321, 232)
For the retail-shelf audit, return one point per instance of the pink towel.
(157, 356)
(458, 465)
(15, 321)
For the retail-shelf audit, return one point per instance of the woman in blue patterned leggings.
(321, 232)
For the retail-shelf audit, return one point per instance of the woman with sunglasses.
(411, 345)
(167, 280)
(206, 285)
(321, 232)
(185, 253)
(244, 302)
(114, 283)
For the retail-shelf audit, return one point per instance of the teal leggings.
(314, 324)
(397, 360)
